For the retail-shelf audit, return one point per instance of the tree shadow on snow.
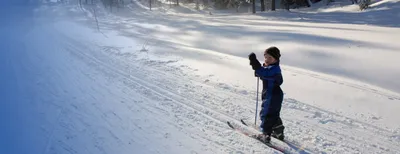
(145, 25)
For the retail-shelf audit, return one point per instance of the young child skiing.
(272, 94)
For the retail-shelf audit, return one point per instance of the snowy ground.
(105, 94)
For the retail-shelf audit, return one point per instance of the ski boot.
(263, 138)
(277, 132)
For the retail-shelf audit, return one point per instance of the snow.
(166, 81)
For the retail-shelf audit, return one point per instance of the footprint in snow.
(167, 135)
(325, 121)
(396, 137)
(224, 86)
(317, 115)
(244, 92)
(375, 118)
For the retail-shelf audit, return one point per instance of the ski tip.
(244, 123)
(230, 125)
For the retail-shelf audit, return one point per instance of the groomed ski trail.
(214, 103)
(194, 107)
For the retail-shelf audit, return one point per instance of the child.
(272, 94)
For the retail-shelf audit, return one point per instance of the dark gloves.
(255, 64)
(252, 56)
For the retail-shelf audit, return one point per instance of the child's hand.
(252, 56)
(255, 64)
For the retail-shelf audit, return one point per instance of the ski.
(280, 149)
(293, 145)
(244, 123)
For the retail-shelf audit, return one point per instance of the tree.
(150, 4)
(254, 6)
(262, 5)
(197, 5)
(364, 4)
(273, 5)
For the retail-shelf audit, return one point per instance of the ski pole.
(255, 119)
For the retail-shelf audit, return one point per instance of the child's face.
(269, 59)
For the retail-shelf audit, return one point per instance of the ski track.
(193, 112)
(210, 107)
(198, 105)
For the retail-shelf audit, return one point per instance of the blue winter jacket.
(272, 94)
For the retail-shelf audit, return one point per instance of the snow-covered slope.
(153, 82)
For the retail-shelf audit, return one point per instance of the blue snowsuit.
(272, 98)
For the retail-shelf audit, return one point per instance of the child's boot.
(264, 138)
(278, 132)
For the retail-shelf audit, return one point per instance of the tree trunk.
(110, 3)
(273, 5)
(262, 5)
(254, 6)
(287, 5)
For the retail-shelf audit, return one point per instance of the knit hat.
(274, 52)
